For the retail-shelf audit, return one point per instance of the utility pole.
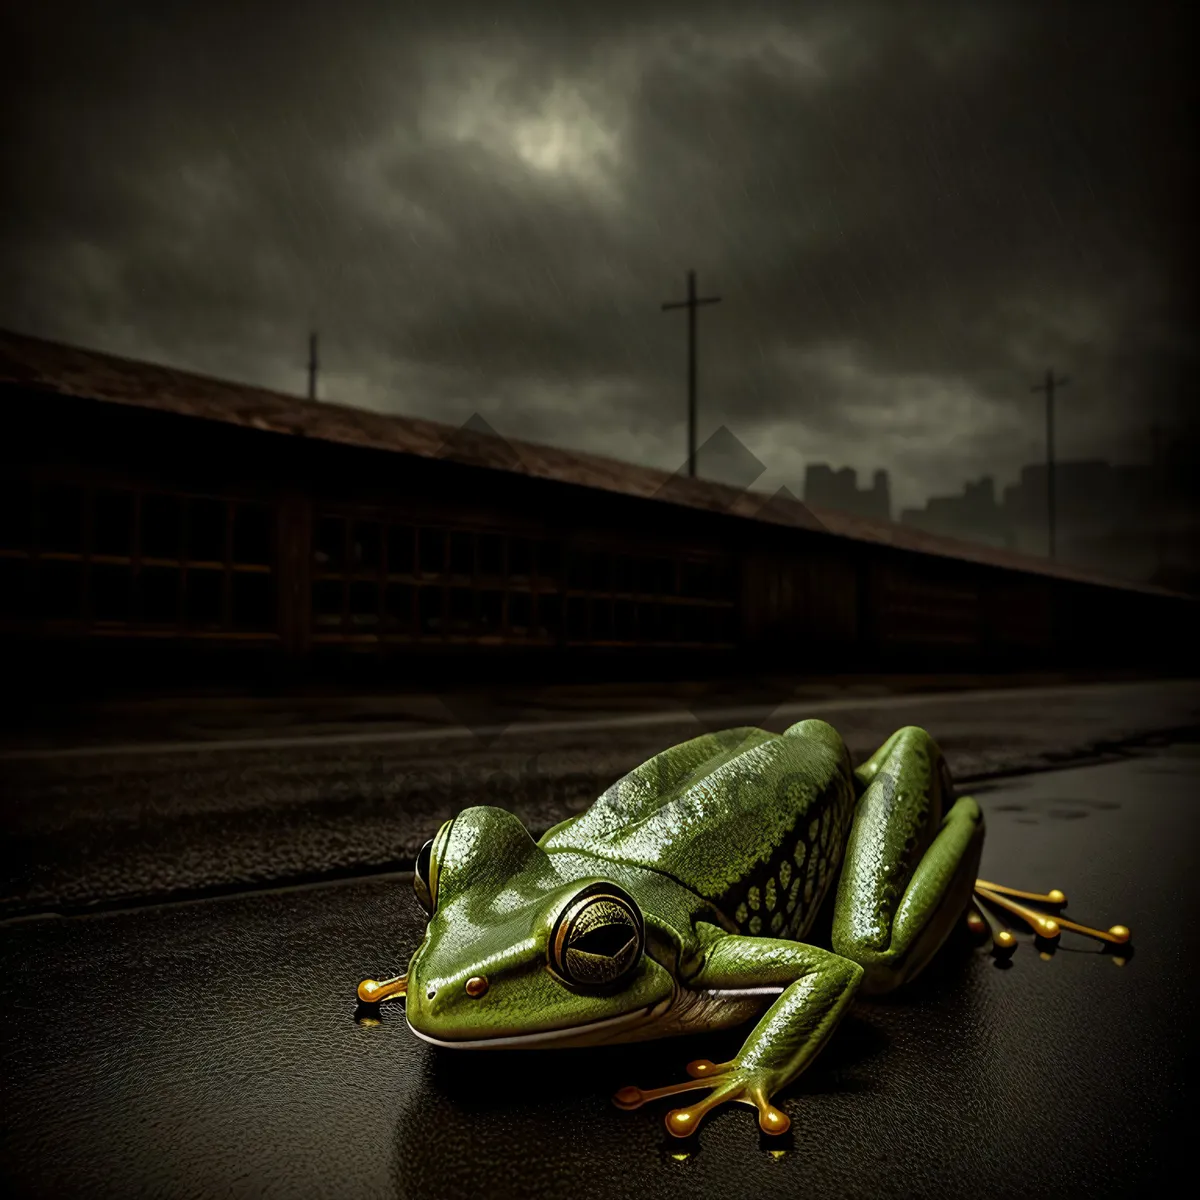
(691, 304)
(312, 366)
(1048, 387)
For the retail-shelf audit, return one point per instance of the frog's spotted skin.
(681, 901)
(783, 894)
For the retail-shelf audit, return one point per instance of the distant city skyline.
(1137, 521)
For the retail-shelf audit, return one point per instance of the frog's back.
(751, 821)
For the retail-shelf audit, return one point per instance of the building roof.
(55, 368)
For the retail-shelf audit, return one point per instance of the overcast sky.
(909, 211)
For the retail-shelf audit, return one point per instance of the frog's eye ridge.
(598, 939)
(421, 876)
(427, 869)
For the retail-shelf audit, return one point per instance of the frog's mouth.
(593, 1033)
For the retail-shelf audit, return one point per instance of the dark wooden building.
(153, 521)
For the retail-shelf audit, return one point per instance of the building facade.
(152, 520)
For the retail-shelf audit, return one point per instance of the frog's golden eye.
(421, 876)
(598, 939)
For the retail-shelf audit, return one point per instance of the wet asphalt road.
(213, 807)
(210, 1048)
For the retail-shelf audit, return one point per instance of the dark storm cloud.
(908, 210)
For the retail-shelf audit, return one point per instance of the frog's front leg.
(817, 989)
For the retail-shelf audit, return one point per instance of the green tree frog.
(684, 900)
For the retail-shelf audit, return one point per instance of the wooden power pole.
(1048, 386)
(312, 366)
(691, 304)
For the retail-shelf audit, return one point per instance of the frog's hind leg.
(911, 862)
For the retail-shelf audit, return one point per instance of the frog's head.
(515, 955)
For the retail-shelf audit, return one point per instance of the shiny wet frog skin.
(685, 899)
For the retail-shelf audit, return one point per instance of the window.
(253, 601)
(520, 557)
(483, 583)
(112, 523)
(649, 624)
(697, 579)
(602, 620)
(16, 514)
(491, 554)
(577, 618)
(664, 577)
(207, 526)
(253, 534)
(491, 611)
(364, 604)
(14, 587)
(644, 576)
(429, 604)
(724, 581)
(157, 592)
(725, 629)
(667, 616)
(707, 580)
(329, 543)
(60, 590)
(162, 526)
(624, 576)
(62, 518)
(599, 572)
(203, 602)
(624, 620)
(577, 565)
(520, 610)
(328, 596)
(693, 623)
(462, 553)
(366, 546)
(398, 607)
(112, 593)
(147, 561)
(433, 551)
(550, 606)
(662, 586)
(400, 550)
(461, 610)
(550, 554)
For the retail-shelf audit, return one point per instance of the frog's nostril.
(429, 995)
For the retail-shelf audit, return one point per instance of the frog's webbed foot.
(727, 1082)
(1044, 925)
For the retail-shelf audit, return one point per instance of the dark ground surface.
(78, 719)
(210, 1048)
(146, 800)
